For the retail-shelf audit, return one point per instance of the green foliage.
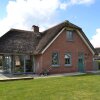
(85, 87)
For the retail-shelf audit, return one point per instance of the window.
(23, 63)
(68, 59)
(19, 63)
(70, 35)
(55, 59)
(7, 63)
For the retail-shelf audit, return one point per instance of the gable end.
(84, 40)
(79, 33)
(52, 41)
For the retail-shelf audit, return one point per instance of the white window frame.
(68, 54)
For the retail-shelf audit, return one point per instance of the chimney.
(35, 28)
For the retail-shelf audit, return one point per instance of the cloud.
(87, 2)
(64, 5)
(22, 14)
(96, 38)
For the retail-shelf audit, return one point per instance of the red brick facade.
(62, 45)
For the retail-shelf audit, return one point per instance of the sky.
(22, 14)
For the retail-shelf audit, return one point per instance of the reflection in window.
(7, 63)
(23, 63)
(19, 63)
(69, 35)
(68, 59)
(55, 58)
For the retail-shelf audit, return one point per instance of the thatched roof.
(21, 41)
(18, 41)
(49, 34)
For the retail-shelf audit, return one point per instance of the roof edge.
(52, 41)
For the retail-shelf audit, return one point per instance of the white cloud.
(87, 2)
(96, 38)
(75, 2)
(64, 5)
(22, 14)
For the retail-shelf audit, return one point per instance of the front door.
(81, 63)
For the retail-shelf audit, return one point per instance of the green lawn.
(85, 87)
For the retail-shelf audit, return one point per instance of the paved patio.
(6, 77)
(59, 75)
(9, 77)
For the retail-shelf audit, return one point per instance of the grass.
(86, 87)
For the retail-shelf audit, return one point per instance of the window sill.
(70, 40)
(68, 65)
(56, 66)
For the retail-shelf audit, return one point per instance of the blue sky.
(22, 14)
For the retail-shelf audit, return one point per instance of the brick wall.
(61, 45)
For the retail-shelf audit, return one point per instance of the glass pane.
(67, 58)
(23, 63)
(70, 35)
(55, 59)
(1, 64)
(19, 64)
(28, 63)
(7, 64)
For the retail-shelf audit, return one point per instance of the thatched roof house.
(22, 41)
(34, 43)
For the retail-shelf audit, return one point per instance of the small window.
(55, 58)
(68, 59)
(70, 35)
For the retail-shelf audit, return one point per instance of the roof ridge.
(14, 29)
(66, 22)
(52, 27)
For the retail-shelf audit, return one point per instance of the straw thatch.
(21, 41)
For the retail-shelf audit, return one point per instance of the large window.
(68, 61)
(55, 58)
(7, 63)
(23, 63)
(69, 35)
(19, 64)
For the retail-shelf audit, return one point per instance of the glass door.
(28, 63)
(23, 64)
(7, 64)
(19, 64)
